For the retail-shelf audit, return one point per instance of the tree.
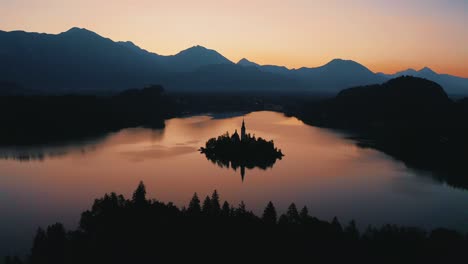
(283, 220)
(194, 206)
(207, 208)
(269, 214)
(49, 246)
(293, 214)
(39, 248)
(226, 211)
(304, 215)
(336, 225)
(241, 211)
(351, 230)
(56, 241)
(215, 206)
(139, 196)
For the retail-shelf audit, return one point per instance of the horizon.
(355, 111)
(295, 34)
(242, 58)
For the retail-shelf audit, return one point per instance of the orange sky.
(385, 36)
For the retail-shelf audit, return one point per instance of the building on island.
(243, 135)
(235, 137)
(241, 150)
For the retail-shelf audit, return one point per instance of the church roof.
(235, 136)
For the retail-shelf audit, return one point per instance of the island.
(241, 151)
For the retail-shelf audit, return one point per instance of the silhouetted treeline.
(409, 118)
(141, 230)
(45, 119)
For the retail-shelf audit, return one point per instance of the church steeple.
(243, 135)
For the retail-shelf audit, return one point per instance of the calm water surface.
(322, 170)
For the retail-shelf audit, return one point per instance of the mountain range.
(81, 61)
(453, 85)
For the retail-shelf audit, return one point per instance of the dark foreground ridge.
(409, 118)
(244, 151)
(139, 230)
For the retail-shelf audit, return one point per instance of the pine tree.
(215, 206)
(139, 196)
(336, 225)
(283, 220)
(352, 231)
(241, 211)
(226, 211)
(304, 215)
(194, 205)
(293, 214)
(39, 248)
(207, 208)
(269, 214)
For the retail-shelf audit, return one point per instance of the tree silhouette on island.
(244, 151)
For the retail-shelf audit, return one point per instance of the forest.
(143, 230)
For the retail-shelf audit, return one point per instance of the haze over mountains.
(80, 60)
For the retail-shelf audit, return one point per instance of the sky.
(385, 36)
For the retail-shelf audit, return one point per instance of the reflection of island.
(244, 151)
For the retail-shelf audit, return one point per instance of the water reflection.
(241, 151)
(82, 147)
(322, 170)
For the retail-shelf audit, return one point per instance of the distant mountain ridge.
(79, 60)
(452, 84)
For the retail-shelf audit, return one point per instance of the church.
(236, 138)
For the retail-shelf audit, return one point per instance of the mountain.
(80, 60)
(193, 58)
(245, 62)
(409, 118)
(265, 68)
(74, 60)
(453, 85)
(332, 77)
(337, 75)
(395, 96)
(231, 77)
(409, 106)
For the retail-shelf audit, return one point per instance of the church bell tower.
(243, 135)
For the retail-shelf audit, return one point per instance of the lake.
(322, 169)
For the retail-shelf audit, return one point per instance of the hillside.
(409, 118)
